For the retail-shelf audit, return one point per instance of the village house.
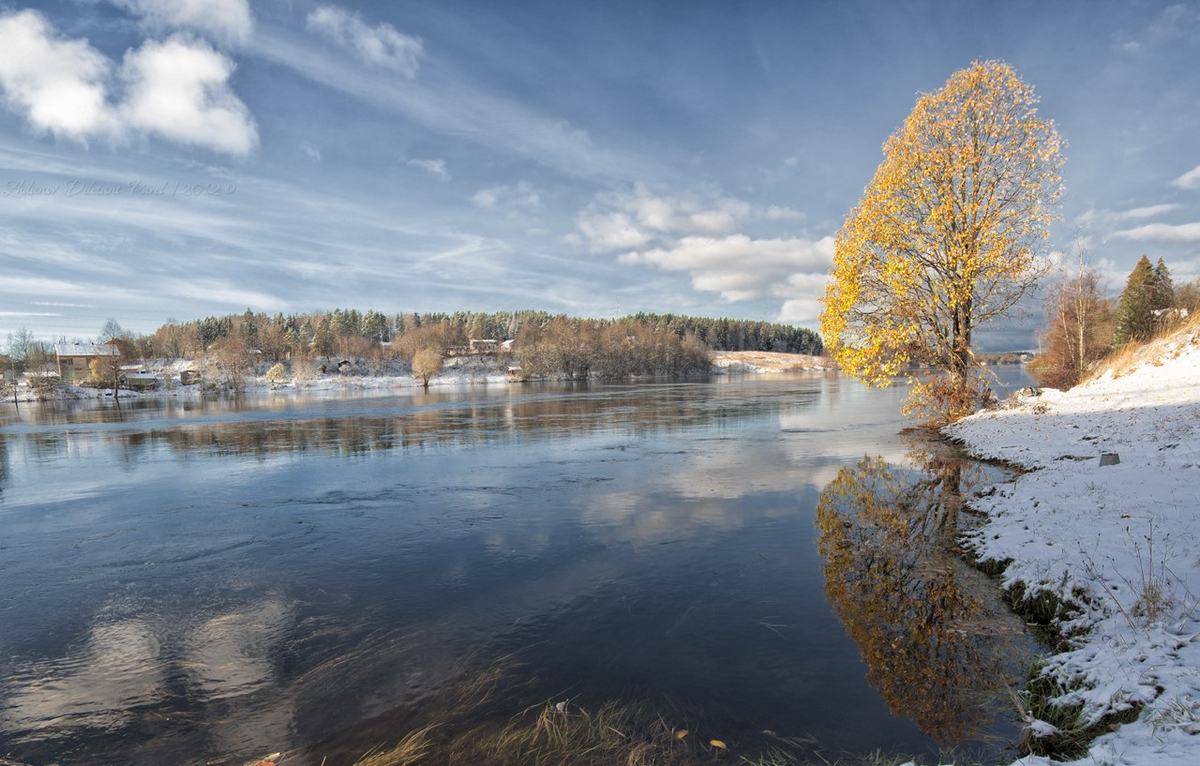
(74, 359)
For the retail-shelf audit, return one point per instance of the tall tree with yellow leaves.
(945, 237)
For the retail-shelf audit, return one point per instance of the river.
(209, 582)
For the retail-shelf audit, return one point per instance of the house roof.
(85, 349)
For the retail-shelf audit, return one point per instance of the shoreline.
(392, 376)
(1107, 549)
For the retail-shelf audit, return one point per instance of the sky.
(175, 159)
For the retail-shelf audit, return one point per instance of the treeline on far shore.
(539, 343)
(348, 332)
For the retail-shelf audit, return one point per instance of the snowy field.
(1119, 542)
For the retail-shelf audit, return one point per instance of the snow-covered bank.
(379, 377)
(1120, 543)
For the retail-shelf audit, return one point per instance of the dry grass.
(1165, 345)
(466, 728)
(414, 748)
(549, 735)
(1071, 738)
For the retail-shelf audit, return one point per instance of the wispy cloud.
(175, 90)
(520, 196)
(226, 21)
(1108, 218)
(1189, 180)
(445, 102)
(1151, 211)
(780, 213)
(381, 45)
(218, 292)
(433, 167)
(1163, 232)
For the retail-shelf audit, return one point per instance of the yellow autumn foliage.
(946, 236)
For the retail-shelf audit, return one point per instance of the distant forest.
(348, 332)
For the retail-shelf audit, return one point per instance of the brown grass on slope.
(1167, 344)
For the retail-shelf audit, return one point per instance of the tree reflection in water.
(938, 644)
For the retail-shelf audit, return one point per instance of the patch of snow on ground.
(1126, 536)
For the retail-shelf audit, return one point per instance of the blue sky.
(180, 158)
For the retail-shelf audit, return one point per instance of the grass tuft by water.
(464, 727)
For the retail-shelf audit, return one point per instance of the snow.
(1121, 543)
(380, 377)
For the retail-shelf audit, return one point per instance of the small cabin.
(139, 381)
(189, 377)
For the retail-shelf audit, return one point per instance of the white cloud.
(433, 167)
(177, 89)
(618, 221)
(217, 292)
(381, 45)
(1163, 232)
(808, 287)
(520, 196)
(1189, 180)
(1108, 218)
(1150, 211)
(58, 85)
(611, 231)
(312, 152)
(226, 21)
(779, 213)
(701, 238)
(741, 268)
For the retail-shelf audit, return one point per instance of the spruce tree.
(1164, 289)
(1148, 290)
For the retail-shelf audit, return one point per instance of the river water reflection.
(206, 582)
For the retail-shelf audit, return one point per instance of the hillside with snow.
(1117, 544)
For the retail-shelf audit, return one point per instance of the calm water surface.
(209, 582)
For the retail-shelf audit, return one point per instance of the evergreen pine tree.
(1164, 289)
(1134, 320)
(1148, 290)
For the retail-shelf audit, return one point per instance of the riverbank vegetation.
(349, 332)
(232, 348)
(471, 722)
(1086, 331)
(581, 348)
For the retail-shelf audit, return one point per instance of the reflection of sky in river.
(249, 577)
